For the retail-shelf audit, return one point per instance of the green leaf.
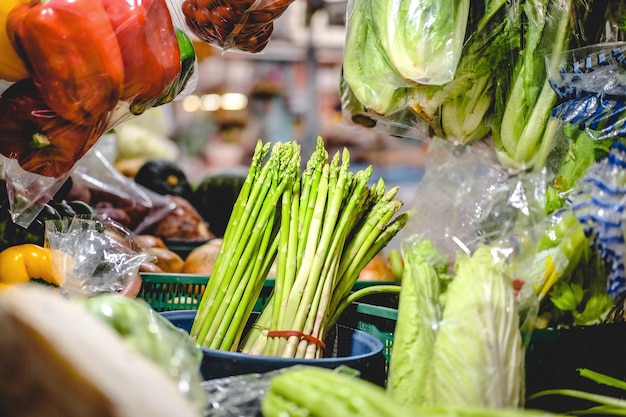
(582, 395)
(582, 152)
(602, 378)
(566, 296)
(596, 306)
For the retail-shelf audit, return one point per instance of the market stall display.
(515, 235)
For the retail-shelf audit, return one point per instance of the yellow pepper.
(12, 67)
(21, 263)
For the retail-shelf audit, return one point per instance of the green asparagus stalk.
(260, 152)
(321, 225)
(266, 192)
(337, 183)
(298, 296)
(231, 328)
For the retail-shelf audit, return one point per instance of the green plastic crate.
(379, 321)
(167, 292)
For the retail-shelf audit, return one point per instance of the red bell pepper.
(147, 39)
(70, 49)
(39, 139)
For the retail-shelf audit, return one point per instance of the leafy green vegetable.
(318, 392)
(150, 334)
(469, 97)
(523, 130)
(366, 67)
(606, 405)
(414, 336)
(580, 295)
(478, 356)
(423, 38)
(572, 278)
(457, 340)
(578, 154)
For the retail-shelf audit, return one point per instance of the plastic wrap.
(239, 395)
(497, 88)
(468, 299)
(153, 336)
(442, 85)
(422, 38)
(118, 197)
(90, 66)
(239, 25)
(591, 89)
(92, 256)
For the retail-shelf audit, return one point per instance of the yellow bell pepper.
(21, 263)
(12, 67)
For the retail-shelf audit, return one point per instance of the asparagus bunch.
(248, 248)
(321, 225)
(332, 225)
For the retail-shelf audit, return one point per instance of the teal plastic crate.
(169, 292)
(379, 321)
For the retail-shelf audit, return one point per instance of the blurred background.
(288, 91)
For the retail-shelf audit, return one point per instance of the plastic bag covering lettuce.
(467, 318)
(478, 357)
(524, 130)
(423, 282)
(467, 343)
(366, 67)
(422, 38)
(156, 338)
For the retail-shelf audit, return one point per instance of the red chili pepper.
(39, 139)
(147, 39)
(70, 49)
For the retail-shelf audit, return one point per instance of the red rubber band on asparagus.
(289, 333)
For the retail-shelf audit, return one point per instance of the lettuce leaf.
(478, 355)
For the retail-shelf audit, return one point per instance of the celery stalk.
(520, 125)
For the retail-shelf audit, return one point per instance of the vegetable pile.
(477, 70)
(322, 225)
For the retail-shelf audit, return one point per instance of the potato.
(167, 260)
(201, 260)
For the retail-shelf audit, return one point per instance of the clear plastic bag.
(405, 60)
(591, 89)
(238, 25)
(92, 67)
(92, 256)
(168, 347)
(467, 297)
(111, 193)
